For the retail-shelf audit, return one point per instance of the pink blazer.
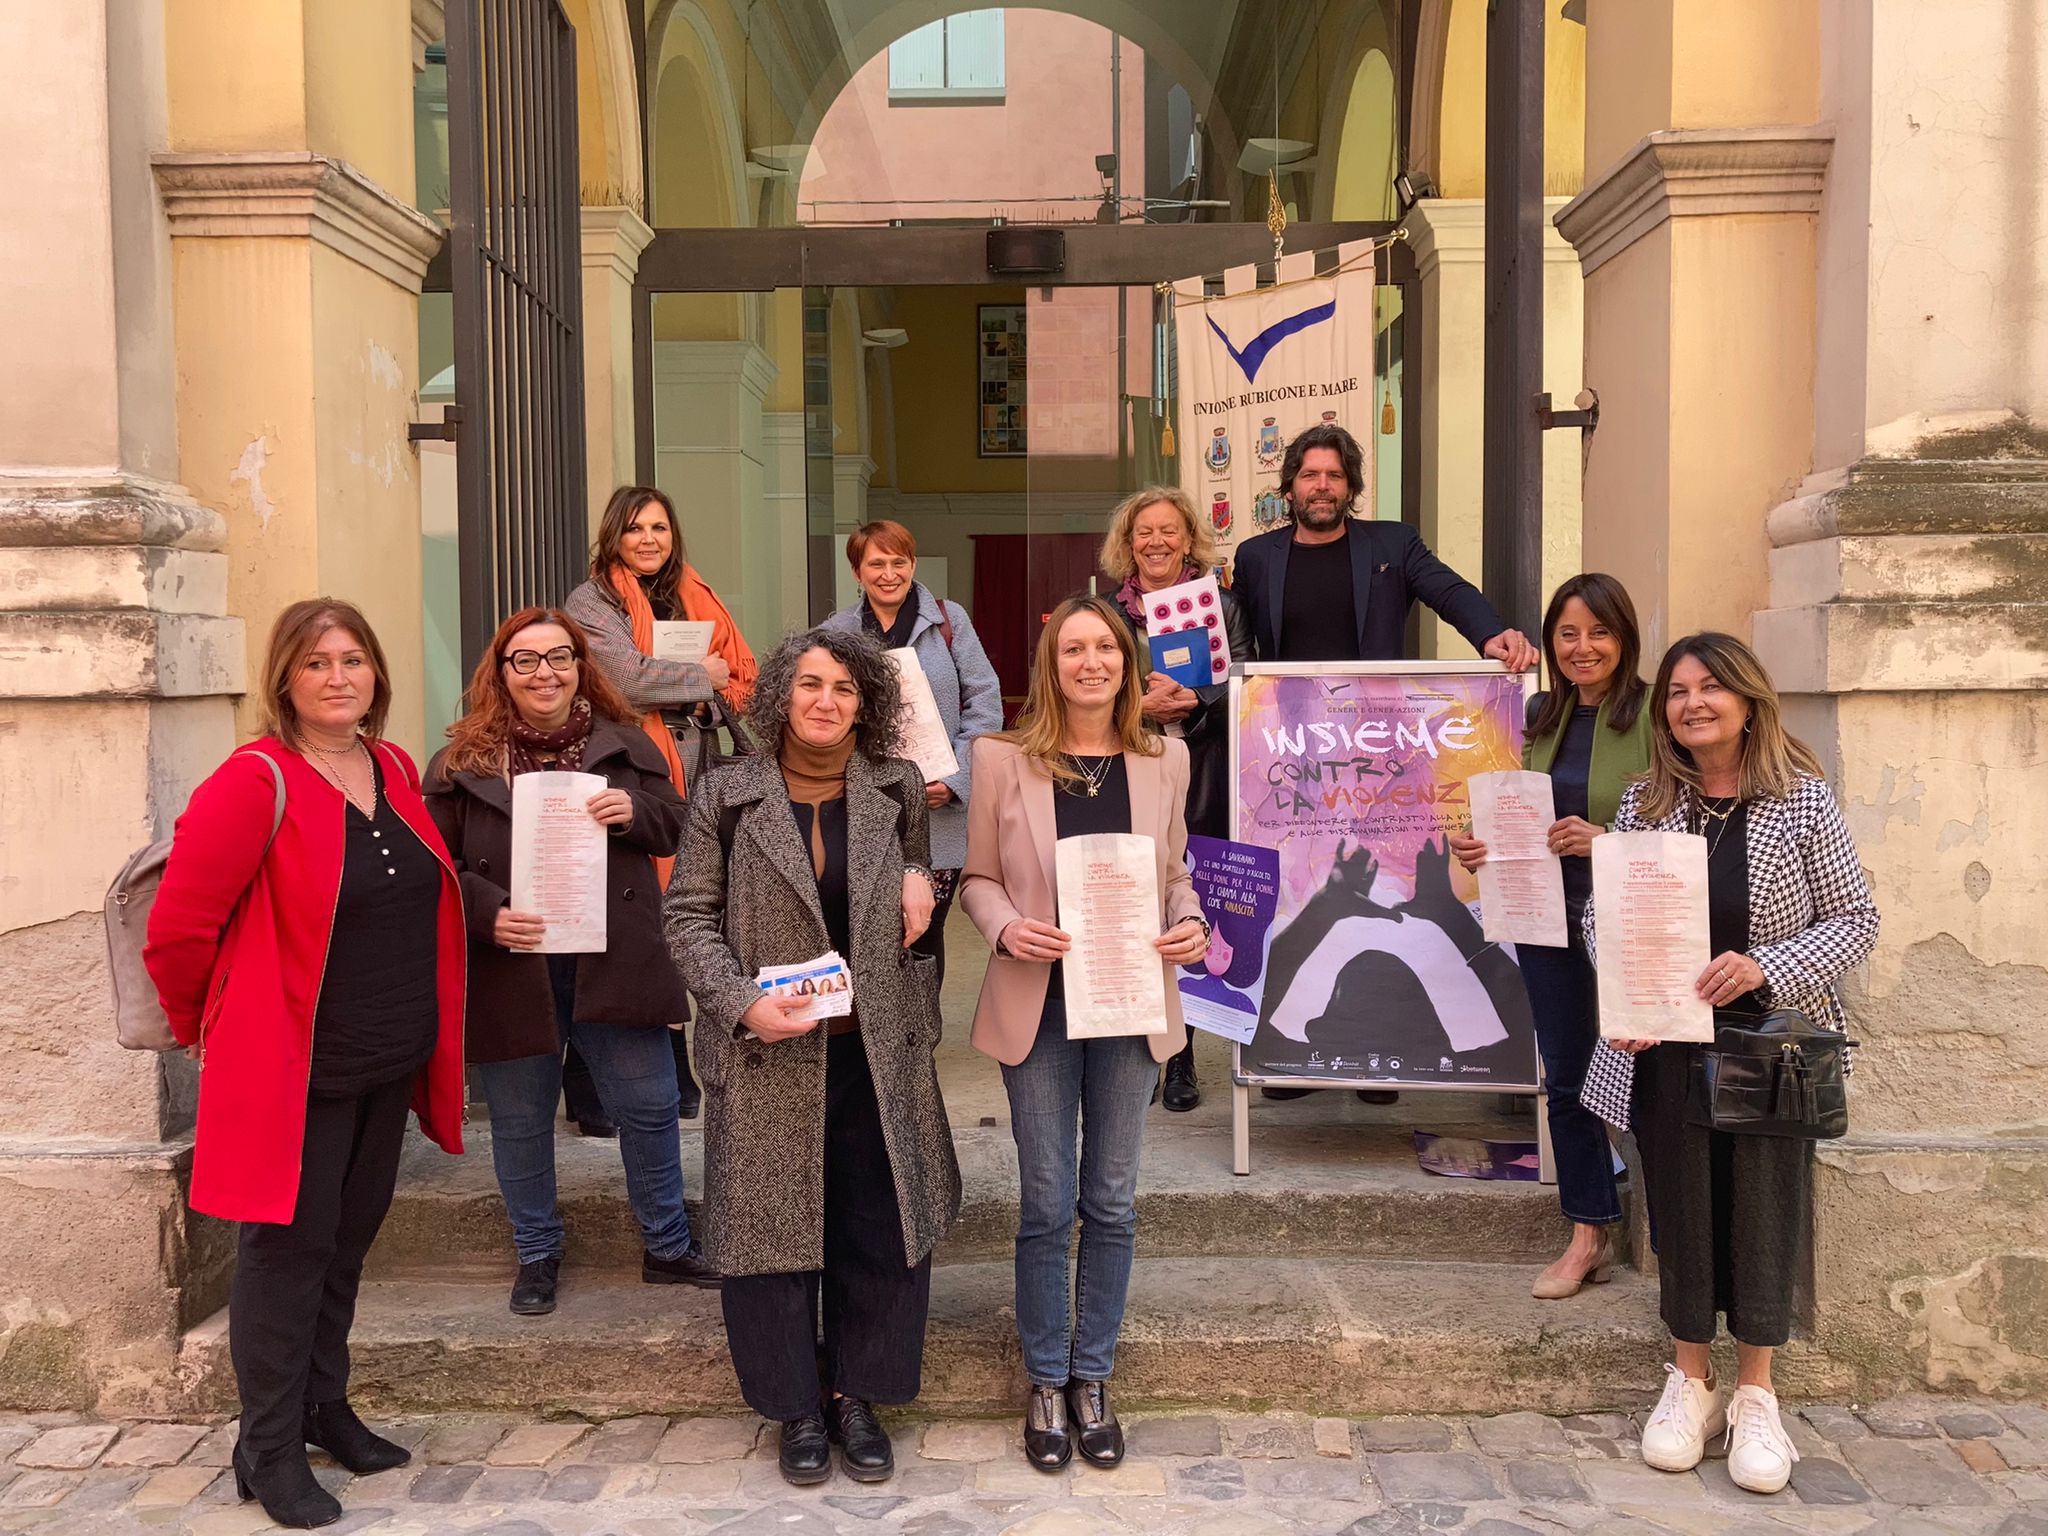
(1009, 874)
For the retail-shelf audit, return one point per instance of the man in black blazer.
(1331, 587)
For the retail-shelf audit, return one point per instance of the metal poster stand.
(1242, 1083)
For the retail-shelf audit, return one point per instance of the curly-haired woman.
(828, 1162)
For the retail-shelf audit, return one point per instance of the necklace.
(1720, 819)
(1093, 781)
(330, 768)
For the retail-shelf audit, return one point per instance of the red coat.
(243, 981)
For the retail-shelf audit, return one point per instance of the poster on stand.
(1376, 971)
(1239, 887)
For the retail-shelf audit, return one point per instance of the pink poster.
(1376, 970)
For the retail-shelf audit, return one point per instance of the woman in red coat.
(318, 975)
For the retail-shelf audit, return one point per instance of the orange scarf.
(701, 603)
(640, 614)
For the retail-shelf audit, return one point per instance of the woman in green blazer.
(1591, 734)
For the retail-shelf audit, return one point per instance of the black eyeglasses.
(526, 663)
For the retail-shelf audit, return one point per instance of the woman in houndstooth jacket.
(1790, 913)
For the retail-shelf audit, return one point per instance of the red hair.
(476, 742)
(889, 537)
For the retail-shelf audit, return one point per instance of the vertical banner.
(1256, 370)
(1376, 970)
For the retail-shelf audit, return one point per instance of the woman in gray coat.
(828, 1161)
(898, 610)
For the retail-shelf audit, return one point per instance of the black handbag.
(1774, 1074)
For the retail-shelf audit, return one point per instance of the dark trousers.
(1731, 1214)
(294, 1293)
(933, 940)
(1562, 990)
(579, 1091)
(874, 1304)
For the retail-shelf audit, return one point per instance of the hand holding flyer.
(1188, 618)
(558, 859)
(925, 741)
(1521, 884)
(1109, 902)
(824, 986)
(1650, 897)
(682, 639)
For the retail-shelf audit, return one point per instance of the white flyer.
(1652, 938)
(1109, 906)
(925, 741)
(1521, 884)
(558, 859)
(682, 639)
(823, 985)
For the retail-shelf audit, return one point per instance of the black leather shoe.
(1284, 1094)
(1181, 1093)
(1047, 1445)
(806, 1455)
(1377, 1096)
(1095, 1429)
(533, 1293)
(597, 1130)
(287, 1489)
(689, 1267)
(335, 1428)
(864, 1450)
(690, 1099)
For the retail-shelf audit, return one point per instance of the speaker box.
(1017, 251)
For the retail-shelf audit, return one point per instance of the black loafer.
(1181, 1094)
(1047, 1445)
(1095, 1429)
(689, 1100)
(533, 1293)
(689, 1267)
(1285, 1094)
(335, 1428)
(806, 1455)
(864, 1449)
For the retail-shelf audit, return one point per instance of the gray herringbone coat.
(764, 1105)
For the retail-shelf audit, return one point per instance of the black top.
(1727, 882)
(1568, 778)
(1320, 620)
(897, 635)
(1076, 813)
(831, 884)
(379, 1011)
(664, 608)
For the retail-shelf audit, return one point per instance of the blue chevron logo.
(1254, 355)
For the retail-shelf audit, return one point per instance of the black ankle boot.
(285, 1485)
(864, 1449)
(335, 1428)
(806, 1455)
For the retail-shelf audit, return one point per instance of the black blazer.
(1390, 569)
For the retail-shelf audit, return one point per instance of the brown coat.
(511, 1006)
(744, 896)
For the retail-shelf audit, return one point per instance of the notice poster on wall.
(1001, 364)
(1376, 969)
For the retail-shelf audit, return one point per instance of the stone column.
(613, 239)
(1909, 618)
(708, 455)
(117, 662)
(1449, 239)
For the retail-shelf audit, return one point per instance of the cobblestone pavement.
(1909, 1467)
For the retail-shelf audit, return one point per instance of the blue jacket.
(970, 700)
(1391, 568)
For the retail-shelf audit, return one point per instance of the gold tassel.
(1166, 440)
(1387, 422)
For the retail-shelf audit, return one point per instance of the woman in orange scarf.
(638, 576)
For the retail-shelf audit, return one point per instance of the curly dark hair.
(876, 727)
(1323, 435)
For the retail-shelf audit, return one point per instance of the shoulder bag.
(1777, 1074)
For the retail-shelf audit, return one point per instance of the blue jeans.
(635, 1074)
(1562, 996)
(1098, 1090)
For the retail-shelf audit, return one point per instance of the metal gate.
(515, 270)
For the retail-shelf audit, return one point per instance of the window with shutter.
(959, 59)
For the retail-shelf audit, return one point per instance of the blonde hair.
(1041, 730)
(292, 638)
(1772, 757)
(1120, 563)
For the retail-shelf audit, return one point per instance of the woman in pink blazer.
(1080, 761)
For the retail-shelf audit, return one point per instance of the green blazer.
(1617, 759)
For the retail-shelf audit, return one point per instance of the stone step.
(1317, 1335)
(1317, 1190)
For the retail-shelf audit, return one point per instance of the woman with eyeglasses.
(536, 704)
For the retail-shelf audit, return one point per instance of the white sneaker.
(1760, 1453)
(1686, 1416)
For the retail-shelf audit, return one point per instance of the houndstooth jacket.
(1811, 916)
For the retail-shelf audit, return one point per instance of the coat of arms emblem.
(1270, 446)
(1219, 511)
